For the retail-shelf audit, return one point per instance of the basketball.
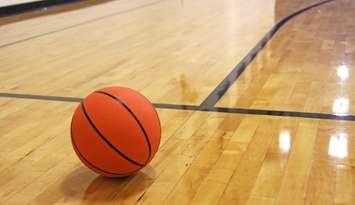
(115, 131)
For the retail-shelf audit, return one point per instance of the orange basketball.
(115, 131)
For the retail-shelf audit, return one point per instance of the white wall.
(14, 2)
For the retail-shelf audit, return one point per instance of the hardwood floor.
(118, 49)
(306, 67)
(176, 52)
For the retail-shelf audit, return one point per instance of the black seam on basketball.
(86, 160)
(92, 165)
(156, 114)
(106, 140)
(104, 171)
(135, 117)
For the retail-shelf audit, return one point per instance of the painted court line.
(246, 111)
(223, 86)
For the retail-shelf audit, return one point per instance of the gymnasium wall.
(4, 3)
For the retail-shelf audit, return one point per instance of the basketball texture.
(115, 131)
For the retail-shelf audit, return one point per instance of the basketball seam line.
(86, 160)
(106, 140)
(104, 171)
(135, 117)
(92, 165)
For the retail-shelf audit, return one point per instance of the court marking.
(209, 103)
(247, 111)
(81, 24)
(41, 97)
(224, 85)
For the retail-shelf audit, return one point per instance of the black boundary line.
(247, 111)
(41, 97)
(218, 92)
(81, 24)
(223, 86)
(136, 119)
(105, 139)
(30, 6)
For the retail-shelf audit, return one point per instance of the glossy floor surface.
(177, 52)
(307, 66)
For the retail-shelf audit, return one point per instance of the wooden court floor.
(256, 102)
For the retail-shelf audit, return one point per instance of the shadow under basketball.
(130, 188)
(76, 181)
(92, 188)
